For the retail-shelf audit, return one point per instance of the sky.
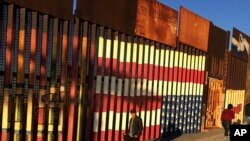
(225, 14)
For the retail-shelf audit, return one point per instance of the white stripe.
(193, 62)
(160, 87)
(181, 59)
(203, 62)
(144, 87)
(128, 54)
(138, 93)
(157, 54)
(201, 90)
(185, 57)
(178, 87)
(166, 58)
(146, 55)
(152, 113)
(119, 92)
(149, 87)
(200, 63)
(122, 48)
(165, 83)
(191, 88)
(112, 91)
(174, 87)
(189, 57)
(195, 89)
(126, 87)
(140, 52)
(134, 50)
(132, 87)
(98, 83)
(96, 119)
(117, 119)
(176, 59)
(169, 87)
(152, 49)
(158, 120)
(108, 48)
(155, 88)
(171, 59)
(162, 58)
(111, 121)
(101, 43)
(124, 116)
(115, 47)
(106, 85)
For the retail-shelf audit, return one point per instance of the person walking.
(226, 118)
(247, 112)
(135, 127)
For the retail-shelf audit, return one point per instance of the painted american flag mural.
(165, 85)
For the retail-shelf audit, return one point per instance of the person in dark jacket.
(247, 112)
(226, 118)
(135, 127)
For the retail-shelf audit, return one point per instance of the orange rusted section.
(193, 30)
(157, 22)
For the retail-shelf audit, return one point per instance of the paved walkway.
(208, 135)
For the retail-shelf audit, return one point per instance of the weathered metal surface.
(157, 22)
(57, 8)
(236, 73)
(146, 18)
(240, 44)
(214, 103)
(193, 29)
(218, 43)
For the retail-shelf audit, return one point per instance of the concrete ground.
(208, 135)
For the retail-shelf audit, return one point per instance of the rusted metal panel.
(218, 42)
(236, 73)
(57, 8)
(193, 29)
(157, 22)
(146, 18)
(240, 44)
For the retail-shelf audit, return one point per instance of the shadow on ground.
(170, 134)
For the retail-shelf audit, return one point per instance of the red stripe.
(114, 65)
(145, 71)
(140, 73)
(39, 138)
(161, 73)
(133, 70)
(151, 131)
(40, 116)
(126, 99)
(171, 74)
(120, 70)
(4, 135)
(107, 66)
(71, 122)
(180, 73)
